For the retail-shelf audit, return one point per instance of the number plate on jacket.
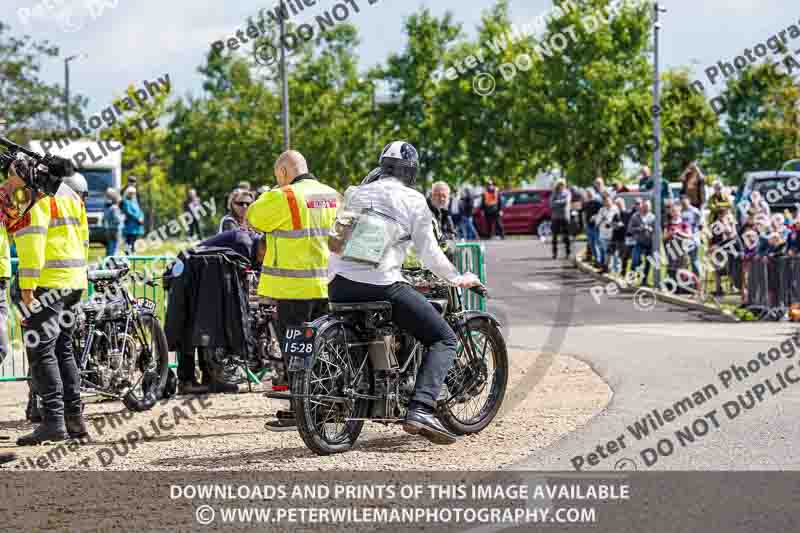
(147, 305)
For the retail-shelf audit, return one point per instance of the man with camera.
(52, 237)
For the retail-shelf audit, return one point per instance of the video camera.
(40, 173)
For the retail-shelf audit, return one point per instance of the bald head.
(289, 165)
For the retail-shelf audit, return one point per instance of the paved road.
(652, 360)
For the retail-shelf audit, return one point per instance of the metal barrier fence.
(772, 282)
(470, 256)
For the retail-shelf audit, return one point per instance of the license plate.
(147, 305)
(298, 345)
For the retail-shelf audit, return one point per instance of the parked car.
(524, 211)
(774, 188)
(793, 165)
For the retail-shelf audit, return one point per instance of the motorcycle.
(354, 365)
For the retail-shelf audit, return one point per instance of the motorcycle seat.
(342, 307)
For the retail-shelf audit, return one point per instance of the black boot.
(32, 411)
(76, 426)
(284, 421)
(47, 431)
(421, 420)
(191, 387)
(222, 388)
(7, 458)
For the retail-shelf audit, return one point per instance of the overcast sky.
(144, 39)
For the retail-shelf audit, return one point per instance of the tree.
(753, 132)
(146, 155)
(28, 104)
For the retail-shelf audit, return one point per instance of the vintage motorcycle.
(355, 365)
(120, 344)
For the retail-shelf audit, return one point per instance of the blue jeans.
(468, 229)
(592, 234)
(602, 247)
(640, 254)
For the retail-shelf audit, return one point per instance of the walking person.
(239, 201)
(467, 211)
(296, 218)
(134, 220)
(560, 206)
(493, 211)
(454, 209)
(112, 221)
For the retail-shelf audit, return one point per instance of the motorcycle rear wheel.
(333, 367)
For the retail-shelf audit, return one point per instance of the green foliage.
(28, 104)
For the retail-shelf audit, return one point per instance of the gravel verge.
(229, 434)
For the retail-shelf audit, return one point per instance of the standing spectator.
(630, 241)
(493, 211)
(592, 205)
(112, 221)
(560, 206)
(647, 184)
(693, 185)
(600, 189)
(693, 217)
(723, 237)
(642, 227)
(438, 203)
(676, 233)
(131, 182)
(720, 201)
(238, 202)
(134, 220)
(644, 177)
(605, 226)
(755, 206)
(191, 205)
(454, 208)
(467, 209)
(618, 250)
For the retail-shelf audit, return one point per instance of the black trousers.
(495, 223)
(415, 315)
(560, 227)
(48, 341)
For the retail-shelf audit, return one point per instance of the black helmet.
(399, 159)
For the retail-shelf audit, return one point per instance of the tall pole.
(66, 91)
(284, 87)
(657, 148)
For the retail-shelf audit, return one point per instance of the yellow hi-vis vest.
(53, 243)
(296, 220)
(5, 253)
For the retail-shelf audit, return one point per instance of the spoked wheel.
(476, 383)
(149, 365)
(324, 421)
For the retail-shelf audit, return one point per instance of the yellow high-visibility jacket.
(53, 243)
(296, 220)
(5, 253)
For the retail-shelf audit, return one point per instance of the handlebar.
(480, 290)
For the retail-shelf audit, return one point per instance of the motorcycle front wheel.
(476, 383)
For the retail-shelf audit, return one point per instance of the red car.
(524, 211)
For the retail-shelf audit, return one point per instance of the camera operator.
(52, 236)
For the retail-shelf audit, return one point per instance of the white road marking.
(692, 331)
(535, 286)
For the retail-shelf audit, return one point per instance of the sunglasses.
(243, 204)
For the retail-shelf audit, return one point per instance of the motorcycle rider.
(389, 191)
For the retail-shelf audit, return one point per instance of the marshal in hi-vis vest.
(296, 220)
(53, 243)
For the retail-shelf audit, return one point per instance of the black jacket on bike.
(208, 302)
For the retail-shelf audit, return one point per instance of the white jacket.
(409, 209)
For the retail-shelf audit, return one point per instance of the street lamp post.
(284, 86)
(66, 86)
(657, 148)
